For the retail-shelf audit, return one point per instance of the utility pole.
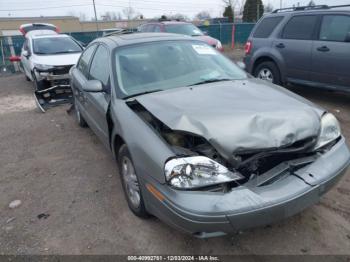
(257, 12)
(280, 4)
(93, 2)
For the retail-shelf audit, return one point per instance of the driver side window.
(83, 64)
(99, 69)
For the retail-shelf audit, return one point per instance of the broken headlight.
(330, 130)
(197, 171)
(42, 67)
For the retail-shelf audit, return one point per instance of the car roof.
(140, 37)
(49, 36)
(321, 9)
(174, 22)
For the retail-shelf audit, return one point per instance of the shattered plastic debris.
(43, 215)
(10, 220)
(15, 203)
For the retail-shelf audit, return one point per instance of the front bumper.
(53, 89)
(208, 214)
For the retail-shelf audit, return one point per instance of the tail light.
(15, 58)
(248, 47)
(23, 32)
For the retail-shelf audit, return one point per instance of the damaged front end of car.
(211, 192)
(52, 86)
(198, 164)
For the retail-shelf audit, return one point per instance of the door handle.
(280, 45)
(323, 49)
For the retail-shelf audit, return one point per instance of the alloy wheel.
(130, 181)
(266, 74)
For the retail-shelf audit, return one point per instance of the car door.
(330, 52)
(96, 103)
(295, 46)
(80, 75)
(25, 58)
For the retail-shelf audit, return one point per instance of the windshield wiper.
(143, 93)
(211, 81)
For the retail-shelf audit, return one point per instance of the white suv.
(46, 58)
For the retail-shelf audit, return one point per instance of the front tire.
(269, 72)
(130, 182)
(80, 119)
(38, 85)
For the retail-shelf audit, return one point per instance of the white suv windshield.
(171, 64)
(55, 45)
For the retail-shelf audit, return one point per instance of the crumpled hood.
(237, 115)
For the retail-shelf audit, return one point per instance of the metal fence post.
(233, 36)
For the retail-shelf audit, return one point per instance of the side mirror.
(93, 86)
(205, 32)
(241, 65)
(15, 58)
(25, 53)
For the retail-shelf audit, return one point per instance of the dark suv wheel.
(268, 71)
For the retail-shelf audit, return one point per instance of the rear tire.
(268, 71)
(130, 182)
(27, 78)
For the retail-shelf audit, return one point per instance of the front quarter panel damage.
(149, 153)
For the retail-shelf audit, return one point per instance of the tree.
(107, 16)
(128, 12)
(268, 8)
(203, 15)
(178, 16)
(311, 3)
(229, 10)
(82, 17)
(229, 13)
(253, 10)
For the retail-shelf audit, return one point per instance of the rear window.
(300, 27)
(266, 26)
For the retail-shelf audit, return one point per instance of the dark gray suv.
(304, 45)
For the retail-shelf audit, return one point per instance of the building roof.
(37, 18)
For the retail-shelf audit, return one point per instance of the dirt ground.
(72, 199)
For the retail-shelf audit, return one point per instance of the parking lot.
(72, 200)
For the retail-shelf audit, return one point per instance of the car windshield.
(55, 45)
(184, 29)
(164, 65)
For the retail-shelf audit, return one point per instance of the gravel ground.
(72, 200)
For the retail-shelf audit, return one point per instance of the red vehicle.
(179, 27)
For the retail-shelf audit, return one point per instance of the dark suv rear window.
(300, 27)
(266, 26)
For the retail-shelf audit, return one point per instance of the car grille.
(60, 70)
